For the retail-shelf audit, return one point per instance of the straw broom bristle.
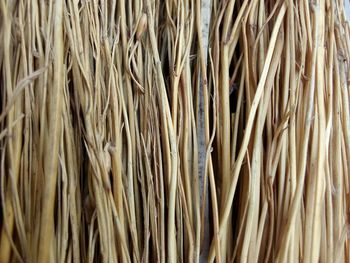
(174, 131)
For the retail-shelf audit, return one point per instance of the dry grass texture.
(120, 142)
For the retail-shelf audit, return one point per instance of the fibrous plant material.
(128, 134)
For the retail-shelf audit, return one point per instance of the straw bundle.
(174, 131)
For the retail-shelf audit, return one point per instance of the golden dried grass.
(122, 140)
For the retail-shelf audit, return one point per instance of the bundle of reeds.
(174, 131)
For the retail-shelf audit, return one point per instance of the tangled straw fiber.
(174, 131)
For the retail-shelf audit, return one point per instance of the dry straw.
(128, 134)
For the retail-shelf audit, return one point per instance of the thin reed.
(174, 131)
